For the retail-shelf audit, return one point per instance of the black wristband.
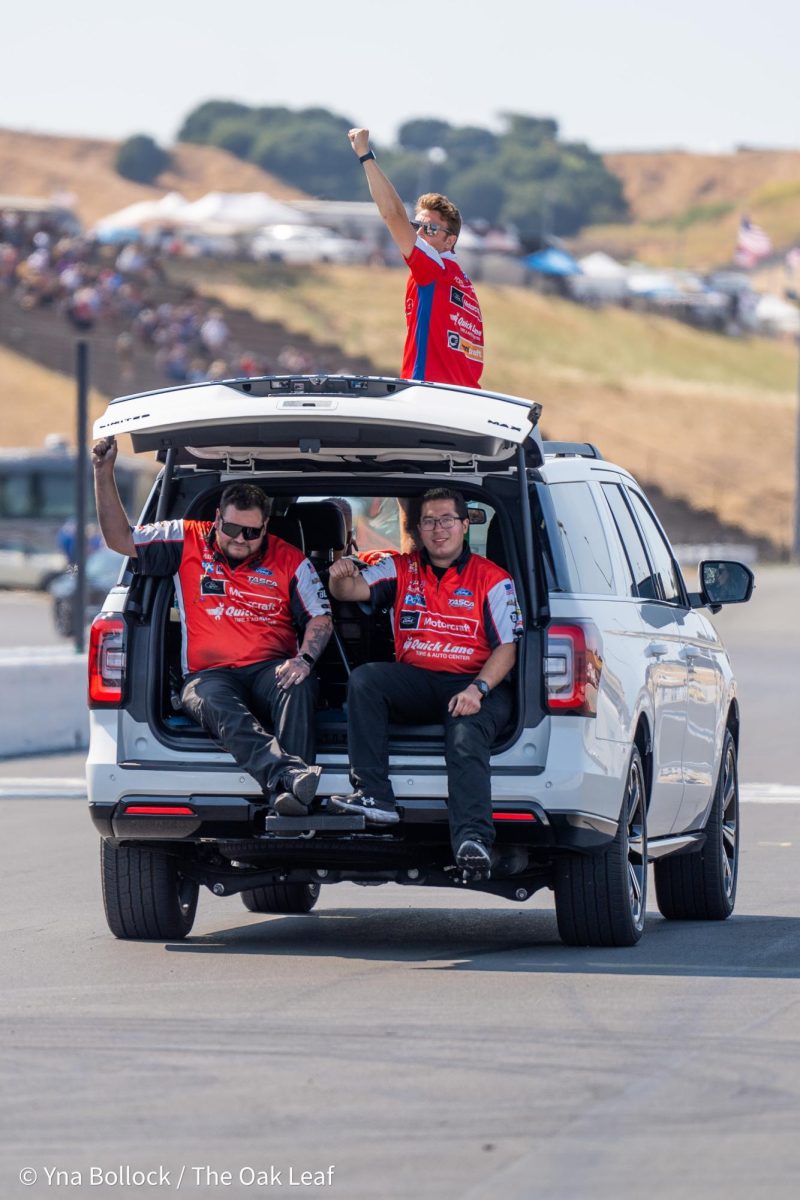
(308, 659)
(362, 158)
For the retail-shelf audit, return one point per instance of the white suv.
(622, 748)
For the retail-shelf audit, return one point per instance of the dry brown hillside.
(34, 164)
(659, 186)
(686, 207)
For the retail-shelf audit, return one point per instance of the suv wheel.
(601, 899)
(145, 895)
(702, 886)
(282, 898)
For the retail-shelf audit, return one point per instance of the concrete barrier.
(43, 700)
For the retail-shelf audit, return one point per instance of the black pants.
(379, 692)
(267, 730)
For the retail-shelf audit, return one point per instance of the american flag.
(752, 244)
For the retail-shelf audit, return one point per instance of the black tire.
(282, 898)
(601, 899)
(145, 896)
(702, 886)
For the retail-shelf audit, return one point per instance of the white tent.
(775, 315)
(602, 266)
(167, 210)
(602, 280)
(239, 211)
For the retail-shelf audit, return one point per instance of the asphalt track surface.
(421, 1043)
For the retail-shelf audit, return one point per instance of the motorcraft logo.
(460, 344)
(462, 300)
(464, 627)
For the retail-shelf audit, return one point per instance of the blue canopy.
(552, 262)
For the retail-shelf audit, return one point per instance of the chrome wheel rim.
(729, 842)
(637, 862)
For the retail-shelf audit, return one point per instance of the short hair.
(436, 202)
(446, 493)
(244, 496)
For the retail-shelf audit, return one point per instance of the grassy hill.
(708, 419)
(686, 207)
(42, 164)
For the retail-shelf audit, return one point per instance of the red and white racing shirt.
(444, 342)
(232, 616)
(449, 624)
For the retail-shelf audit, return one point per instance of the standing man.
(245, 598)
(456, 624)
(444, 342)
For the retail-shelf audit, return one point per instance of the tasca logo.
(454, 626)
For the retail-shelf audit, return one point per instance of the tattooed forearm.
(317, 634)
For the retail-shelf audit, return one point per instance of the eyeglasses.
(429, 227)
(446, 522)
(250, 533)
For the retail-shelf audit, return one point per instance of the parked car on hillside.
(622, 748)
(301, 244)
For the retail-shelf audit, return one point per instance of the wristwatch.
(308, 659)
(482, 687)
(362, 158)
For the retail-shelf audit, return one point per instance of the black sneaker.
(379, 812)
(287, 805)
(474, 859)
(303, 783)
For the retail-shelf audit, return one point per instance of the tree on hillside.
(141, 159)
(423, 133)
(200, 122)
(522, 174)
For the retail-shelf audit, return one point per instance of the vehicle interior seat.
(495, 546)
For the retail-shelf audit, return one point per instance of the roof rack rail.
(571, 450)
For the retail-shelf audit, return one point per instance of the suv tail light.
(106, 661)
(572, 667)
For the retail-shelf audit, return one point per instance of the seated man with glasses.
(456, 625)
(246, 599)
(444, 339)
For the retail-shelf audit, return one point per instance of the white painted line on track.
(36, 787)
(769, 793)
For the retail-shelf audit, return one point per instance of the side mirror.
(725, 582)
(477, 516)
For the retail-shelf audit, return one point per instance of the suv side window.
(580, 532)
(663, 562)
(643, 582)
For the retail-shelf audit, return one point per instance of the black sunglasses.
(429, 227)
(250, 533)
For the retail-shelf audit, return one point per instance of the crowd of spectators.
(120, 289)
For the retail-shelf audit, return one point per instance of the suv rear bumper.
(170, 823)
